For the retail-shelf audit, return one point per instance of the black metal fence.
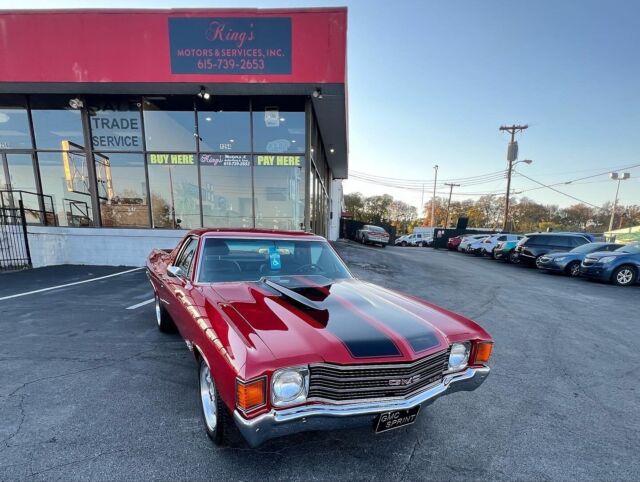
(14, 243)
(38, 208)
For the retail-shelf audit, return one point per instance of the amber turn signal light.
(483, 352)
(250, 395)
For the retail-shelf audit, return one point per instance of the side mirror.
(175, 272)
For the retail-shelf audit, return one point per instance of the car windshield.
(589, 248)
(227, 259)
(632, 249)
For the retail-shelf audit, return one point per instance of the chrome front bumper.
(278, 423)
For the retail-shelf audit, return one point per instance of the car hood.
(567, 254)
(303, 319)
(603, 254)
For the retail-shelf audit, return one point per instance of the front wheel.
(403, 244)
(624, 276)
(573, 269)
(163, 320)
(214, 413)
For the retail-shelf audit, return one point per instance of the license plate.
(397, 418)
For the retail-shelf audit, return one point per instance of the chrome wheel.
(624, 276)
(158, 311)
(208, 398)
(538, 262)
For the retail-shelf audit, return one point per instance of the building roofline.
(173, 10)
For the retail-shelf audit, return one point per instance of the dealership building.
(121, 129)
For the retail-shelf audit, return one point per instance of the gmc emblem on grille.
(404, 381)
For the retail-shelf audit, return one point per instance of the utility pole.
(451, 186)
(424, 213)
(433, 201)
(512, 155)
(616, 177)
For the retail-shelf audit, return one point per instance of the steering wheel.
(309, 268)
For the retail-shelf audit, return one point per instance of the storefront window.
(14, 125)
(122, 189)
(170, 125)
(56, 125)
(115, 124)
(279, 191)
(226, 190)
(278, 127)
(173, 183)
(65, 178)
(224, 125)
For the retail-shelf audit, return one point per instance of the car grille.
(349, 383)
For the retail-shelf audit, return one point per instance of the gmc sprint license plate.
(398, 418)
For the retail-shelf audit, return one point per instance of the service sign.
(230, 45)
(226, 160)
(278, 160)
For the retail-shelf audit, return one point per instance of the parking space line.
(69, 284)
(133, 307)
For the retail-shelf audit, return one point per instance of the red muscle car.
(287, 340)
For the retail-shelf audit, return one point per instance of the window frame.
(178, 259)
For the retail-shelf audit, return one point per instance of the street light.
(614, 176)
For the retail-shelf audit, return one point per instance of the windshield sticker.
(274, 259)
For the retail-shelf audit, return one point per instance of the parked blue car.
(621, 267)
(568, 262)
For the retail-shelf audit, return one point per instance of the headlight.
(459, 356)
(607, 259)
(289, 386)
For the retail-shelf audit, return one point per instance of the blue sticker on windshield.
(274, 258)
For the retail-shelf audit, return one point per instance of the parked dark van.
(534, 245)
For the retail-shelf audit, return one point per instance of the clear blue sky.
(431, 81)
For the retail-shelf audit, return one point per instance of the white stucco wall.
(336, 209)
(103, 246)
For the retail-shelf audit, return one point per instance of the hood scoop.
(314, 308)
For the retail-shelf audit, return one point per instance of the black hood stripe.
(416, 332)
(361, 338)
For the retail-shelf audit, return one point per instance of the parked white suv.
(417, 239)
(467, 240)
(485, 247)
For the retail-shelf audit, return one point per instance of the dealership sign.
(226, 45)
(228, 160)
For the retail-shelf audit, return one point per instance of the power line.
(416, 183)
(578, 179)
(559, 192)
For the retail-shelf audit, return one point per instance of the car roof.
(254, 233)
(557, 234)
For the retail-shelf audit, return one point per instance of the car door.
(180, 287)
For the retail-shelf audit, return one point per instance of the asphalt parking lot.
(91, 390)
